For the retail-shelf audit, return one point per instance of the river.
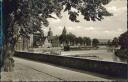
(100, 54)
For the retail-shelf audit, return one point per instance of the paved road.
(31, 70)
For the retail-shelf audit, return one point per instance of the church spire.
(50, 33)
(49, 29)
(64, 31)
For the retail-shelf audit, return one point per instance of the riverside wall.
(101, 67)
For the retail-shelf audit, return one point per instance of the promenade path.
(27, 70)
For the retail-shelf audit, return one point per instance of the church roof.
(64, 31)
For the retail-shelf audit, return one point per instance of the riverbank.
(122, 53)
(102, 67)
(104, 55)
(99, 54)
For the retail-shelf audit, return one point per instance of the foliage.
(95, 42)
(122, 53)
(24, 17)
(115, 42)
(62, 39)
(28, 14)
(123, 40)
(87, 41)
(109, 43)
(71, 39)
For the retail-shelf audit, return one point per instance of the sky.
(108, 28)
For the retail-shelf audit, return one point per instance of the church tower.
(64, 32)
(50, 33)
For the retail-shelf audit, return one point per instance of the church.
(50, 40)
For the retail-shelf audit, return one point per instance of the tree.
(87, 41)
(109, 44)
(80, 40)
(23, 17)
(71, 38)
(123, 40)
(62, 39)
(95, 42)
(115, 42)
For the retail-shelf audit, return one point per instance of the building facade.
(35, 40)
(53, 40)
(23, 44)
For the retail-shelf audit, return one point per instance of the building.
(35, 40)
(23, 43)
(52, 40)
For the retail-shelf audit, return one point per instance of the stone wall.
(102, 67)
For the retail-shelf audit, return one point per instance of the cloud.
(54, 20)
(73, 9)
(113, 8)
(107, 28)
(89, 28)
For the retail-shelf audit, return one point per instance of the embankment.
(102, 67)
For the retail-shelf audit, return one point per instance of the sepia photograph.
(63, 40)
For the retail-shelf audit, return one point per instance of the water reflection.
(101, 55)
(116, 58)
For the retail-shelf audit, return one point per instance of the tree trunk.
(8, 52)
(9, 48)
(8, 7)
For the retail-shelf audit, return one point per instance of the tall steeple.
(50, 33)
(64, 31)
